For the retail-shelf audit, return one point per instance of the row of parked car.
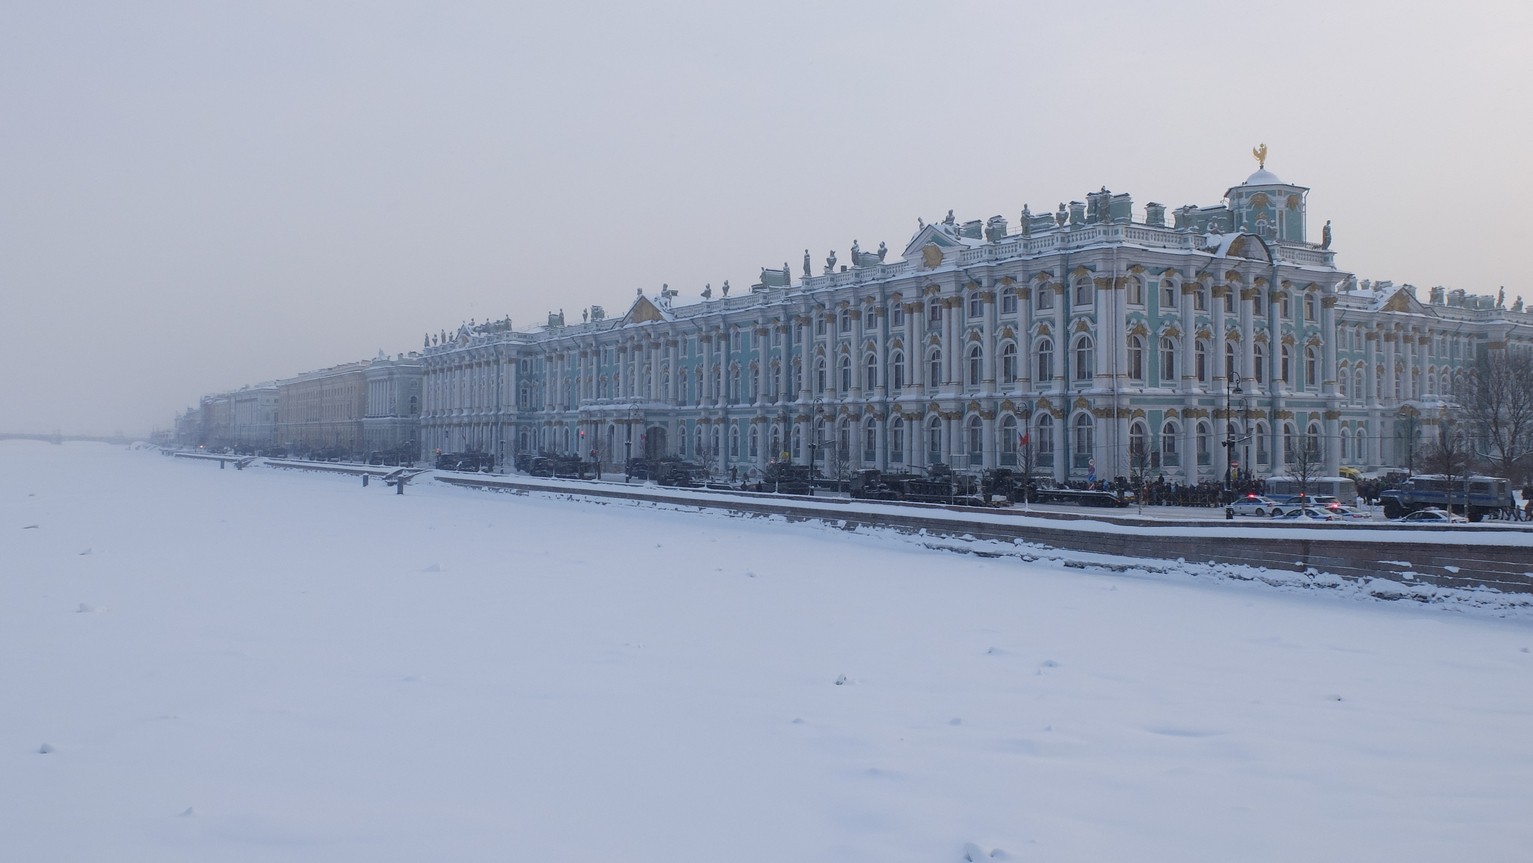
(1327, 508)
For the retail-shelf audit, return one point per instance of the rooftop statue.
(1325, 232)
(830, 263)
(726, 287)
(1062, 216)
(807, 273)
(949, 220)
(708, 291)
(1261, 156)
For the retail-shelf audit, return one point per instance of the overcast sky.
(197, 196)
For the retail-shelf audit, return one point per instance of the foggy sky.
(198, 196)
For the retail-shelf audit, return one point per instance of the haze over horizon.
(200, 197)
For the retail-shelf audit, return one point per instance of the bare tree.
(1305, 463)
(1026, 461)
(1451, 456)
(1498, 405)
(1139, 463)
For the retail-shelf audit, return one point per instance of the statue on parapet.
(708, 291)
(950, 220)
(726, 287)
(830, 263)
(807, 272)
(1325, 235)
(1062, 216)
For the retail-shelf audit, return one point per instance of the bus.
(1285, 488)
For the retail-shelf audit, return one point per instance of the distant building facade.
(253, 416)
(323, 409)
(392, 418)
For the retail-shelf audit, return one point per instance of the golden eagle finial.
(1261, 156)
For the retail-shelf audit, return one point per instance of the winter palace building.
(1091, 341)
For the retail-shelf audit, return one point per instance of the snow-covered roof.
(1263, 177)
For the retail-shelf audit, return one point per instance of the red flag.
(1023, 439)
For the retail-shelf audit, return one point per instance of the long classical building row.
(355, 408)
(1082, 343)
(1099, 340)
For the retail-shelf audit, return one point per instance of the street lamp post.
(1229, 439)
(816, 441)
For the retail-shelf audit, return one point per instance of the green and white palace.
(1101, 337)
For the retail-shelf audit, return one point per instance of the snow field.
(266, 665)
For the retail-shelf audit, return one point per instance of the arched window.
(1084, 365)
(1008, 301)
(1044, 298)
(933, 440)
(1285, 359)
(1168, 347)
(870, 371)
(934, 368)
(844, 439)
(1045, 362)
(1229, 362)
(755, 442)
(976, 365)
(1290, 442)
(1362, 446)
(897, 440)
(734, 442)
(820, 382)
(1138, 446)
(776, 450)
(1311, 368)
(1084, 431)
(1009, 440)
(1204, 454)
(1259, 353)
(1346, 445)
(1136, 358)
(844, 321)
(1262, 438)
(1343, 381)
(1200, 359)
(1169, 453)
(1312, 440)
(1082, 292)
(846, 373)
(869, 440)
(1008, 363)
(1043, 439)
(897, 371)
(976, 305)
